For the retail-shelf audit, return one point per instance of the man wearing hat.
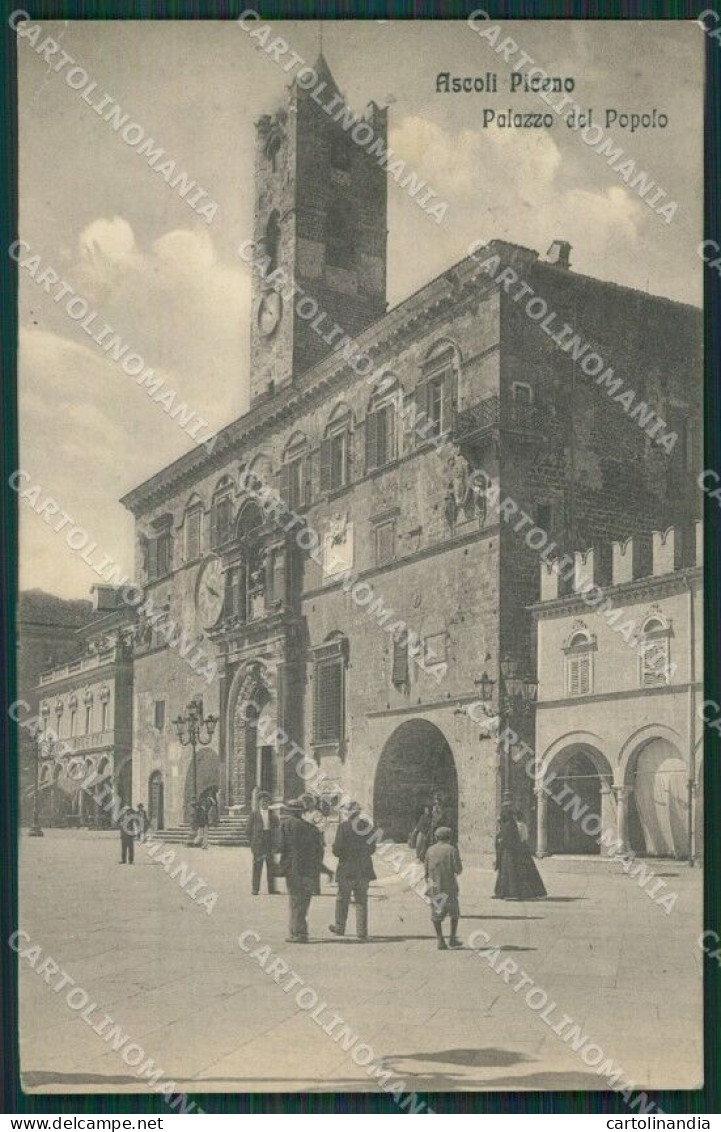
(301, 855)
(355, 870)
(261, 829)
(443, 864)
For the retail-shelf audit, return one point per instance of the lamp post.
(195, 730)
(36, 828)
(516, 693)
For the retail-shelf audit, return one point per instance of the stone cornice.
(459, 285)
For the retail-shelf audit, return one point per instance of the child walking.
(443, 865)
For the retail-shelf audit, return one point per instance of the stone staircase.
(230, 831)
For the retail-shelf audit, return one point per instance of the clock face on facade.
(209, 594)
(269, 312)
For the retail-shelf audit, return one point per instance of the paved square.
(177, 982)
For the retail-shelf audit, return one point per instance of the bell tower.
(320, 222)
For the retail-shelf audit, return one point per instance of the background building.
(87, 703)
(47, 635)
(403, 512)
(617, 719)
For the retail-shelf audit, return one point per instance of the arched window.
(335, 451)
(436, 392)
(579, 663)
(654, 652)
(221, 513)
(382, 428)
(245, 579)
(193, 530)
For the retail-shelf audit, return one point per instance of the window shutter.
(400, 664)
(371, 441)
(574, 676)
(328, 708)
(391, 432)
(325, 465)
(348, 456)
(584, 675)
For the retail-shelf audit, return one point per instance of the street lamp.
(36, 829)
(194, 729)
(516, 693)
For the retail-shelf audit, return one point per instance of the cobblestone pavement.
(176, 980)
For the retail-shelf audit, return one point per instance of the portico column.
(623, 794)
(542, 834)
(608, 819)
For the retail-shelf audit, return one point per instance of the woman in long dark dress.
(518, 878)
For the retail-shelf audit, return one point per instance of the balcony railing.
(84, 664)
(96, 740)
(488, 414)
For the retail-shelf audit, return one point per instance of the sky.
(175, 286)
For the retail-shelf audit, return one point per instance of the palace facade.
(397, 504)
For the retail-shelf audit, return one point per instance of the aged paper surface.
(361, 441)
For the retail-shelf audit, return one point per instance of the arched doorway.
(156, 800)
(250, 764)
(583, 786)
(416, 763)
(658, 800)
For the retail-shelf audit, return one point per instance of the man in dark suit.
(301, 855)
(355, 870)
(129, 825)
(261, 830)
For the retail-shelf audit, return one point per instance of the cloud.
(90, 432)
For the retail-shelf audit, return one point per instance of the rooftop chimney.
(559, 253)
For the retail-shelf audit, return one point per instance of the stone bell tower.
(320, 217)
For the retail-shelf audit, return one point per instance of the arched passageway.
(416, 763)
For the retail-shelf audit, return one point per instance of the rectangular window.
(385, 539)
(73, 715)
(192, 534)
(328, 716)
(88, 718)
(103, 716)
(159, 714)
